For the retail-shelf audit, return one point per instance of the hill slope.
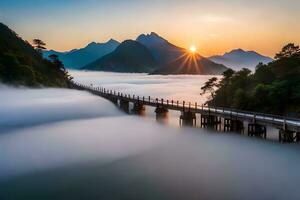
(20, 64)
(238, 59)
(77, 58)
(130, 56)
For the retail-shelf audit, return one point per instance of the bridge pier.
(187, 118)
(161, 110)
(161, 114)
(257, 130)
(233, 125)
(210, 121)
(138, 108)
(113, 100)
(297, 138)
(124, 105)
(287, 136)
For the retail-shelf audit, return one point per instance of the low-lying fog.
(68, 144)
(172, 87)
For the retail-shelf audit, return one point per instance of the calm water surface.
(68, 144)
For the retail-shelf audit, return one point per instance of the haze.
(214, 27)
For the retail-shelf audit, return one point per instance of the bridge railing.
(195, 106)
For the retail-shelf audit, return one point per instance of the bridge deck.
(280, 122)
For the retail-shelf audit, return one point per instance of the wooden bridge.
(220, 118)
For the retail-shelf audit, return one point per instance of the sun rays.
(189, 61)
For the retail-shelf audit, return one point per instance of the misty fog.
(60, 138)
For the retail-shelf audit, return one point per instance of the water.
(68, 144)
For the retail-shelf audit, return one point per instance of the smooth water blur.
(68, 144)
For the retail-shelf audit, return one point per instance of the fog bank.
(25, 107)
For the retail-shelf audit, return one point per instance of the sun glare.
(193, 49)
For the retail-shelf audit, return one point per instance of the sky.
(214, 26)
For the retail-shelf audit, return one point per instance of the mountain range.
(153, 54)
(238, 59)
(77, 58)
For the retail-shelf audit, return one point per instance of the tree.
(288, 51)
(53, 58)
(239, 100)
(57, 63)
(210, 86)
(226, 77)
(39, 45)
(263, 74)
(228, 73)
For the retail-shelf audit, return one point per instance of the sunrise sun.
(193, 49)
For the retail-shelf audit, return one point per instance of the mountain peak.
(91, 44)
(239, 58)
(237, 51)
(113, 41)
(153, 34)
(95, 44)
(152, 37)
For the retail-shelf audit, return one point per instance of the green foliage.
(39, 45)
(273, 88)
(209, 86)
(288, 51)
(239, 99)
(21, 64)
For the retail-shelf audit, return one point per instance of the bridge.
(224, 119)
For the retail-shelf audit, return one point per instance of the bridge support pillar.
(286, 136)
(210, 121)
(257, 130)
(297, 138)
(161, 114)
(138, 108)
(233, 125)
(160, 110)
(187, 118)
(124, 105)
(113, 100)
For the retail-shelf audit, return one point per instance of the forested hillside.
(21, 64)
(273, 88)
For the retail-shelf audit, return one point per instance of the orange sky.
(213, 26)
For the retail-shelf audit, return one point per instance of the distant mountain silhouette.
(77, 58)
(238, 59)
(162, 51)
(177, 60)
(130, 56)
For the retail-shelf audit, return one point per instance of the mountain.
(162, 50)
(238, 59)
(191, 64)
(77, 58)
(21, 64)
(177, 60)
(129, 56)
